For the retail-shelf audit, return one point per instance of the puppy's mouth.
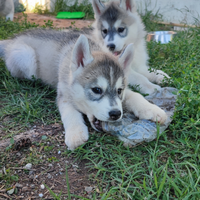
(97, 124)
(117, 53)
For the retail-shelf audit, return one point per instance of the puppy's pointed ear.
(128, 5)
(126, 57)
(81, 55)
(98, 7)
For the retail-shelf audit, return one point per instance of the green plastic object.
(70, 15)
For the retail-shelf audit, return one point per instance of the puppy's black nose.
(111, 47)
(115, 114)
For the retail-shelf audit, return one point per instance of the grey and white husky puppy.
(117, 25)
(7, 9)
(87, 80)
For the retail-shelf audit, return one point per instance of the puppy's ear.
(126, 57)
(81, 55)
(98, 7)
(128, 5)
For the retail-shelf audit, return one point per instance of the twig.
(4, 195)
(22, 168)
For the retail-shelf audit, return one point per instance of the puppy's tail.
(3, 44)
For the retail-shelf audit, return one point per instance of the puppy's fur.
(87, 80)
(117, 25)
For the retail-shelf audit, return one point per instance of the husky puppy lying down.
(118, 24)
(87, 80)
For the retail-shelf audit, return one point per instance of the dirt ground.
(58, 23)
(46, 153)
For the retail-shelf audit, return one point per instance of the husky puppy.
(7, 9)
(87, 80)
(116, 26)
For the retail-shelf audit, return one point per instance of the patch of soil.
(49, 159)
(57, 23)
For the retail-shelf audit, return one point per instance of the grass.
(167, 168)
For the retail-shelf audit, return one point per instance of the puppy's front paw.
(76, 136)
(160, 76)
(152, 112)
(151, 88)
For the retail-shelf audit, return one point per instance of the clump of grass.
(39, 9)
(9, 28)
(23, 102)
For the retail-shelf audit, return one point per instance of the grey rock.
(49, 176)
(88, 189)
(28, 166)
(24, 189)
(31, 172)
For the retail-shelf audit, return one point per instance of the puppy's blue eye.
(97, 90)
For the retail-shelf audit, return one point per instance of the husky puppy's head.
(117, 24)
(98, 82)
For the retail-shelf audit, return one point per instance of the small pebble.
(61, 169)
(41, 195)
(49, 176)
(42, 187)
(28, 166)
(24, 189)
(18, 185)
(18, 154)
(88, 189)
(31, 172)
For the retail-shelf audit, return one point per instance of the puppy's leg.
(146, 86)
(137, 104)
(21, 60)
(156, 76)
(10, 16)
(76, 132)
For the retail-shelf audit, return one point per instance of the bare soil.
(49, 160)
(57, 23)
